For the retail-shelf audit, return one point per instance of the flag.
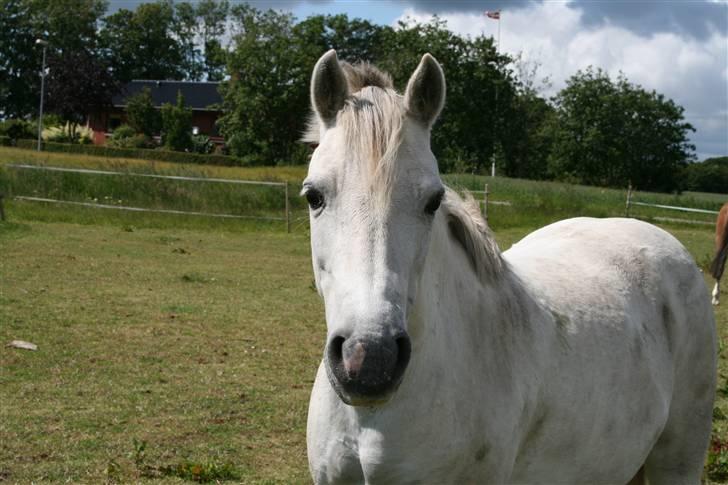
(493, 15)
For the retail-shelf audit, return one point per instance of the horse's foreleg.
(716, 293)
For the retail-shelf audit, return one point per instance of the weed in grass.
(169, 239)
(202, 472)
(718, 414)
(113, 472)
(139, 452)
(196, 278)
(723, 391)
(187, 470)
(716, 466)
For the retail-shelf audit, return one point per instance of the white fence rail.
(284, 185)
(630, 203)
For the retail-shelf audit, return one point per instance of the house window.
(114, 123)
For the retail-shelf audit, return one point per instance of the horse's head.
(373, 189)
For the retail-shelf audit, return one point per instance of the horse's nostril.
(404, 349)
(335, 348)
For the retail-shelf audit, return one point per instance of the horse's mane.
(469, 229)
(372, 120)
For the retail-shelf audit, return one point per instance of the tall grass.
(532, 203)
(537, 202)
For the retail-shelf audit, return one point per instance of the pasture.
(176, 348)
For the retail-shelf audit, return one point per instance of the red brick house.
(202, 97)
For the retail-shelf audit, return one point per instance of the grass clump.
(716, 466)
(202, 472)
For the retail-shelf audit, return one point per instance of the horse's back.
(587, 266)
(633, 325)
(632, 254)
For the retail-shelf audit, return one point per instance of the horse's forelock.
(363, 74)
(371, 121)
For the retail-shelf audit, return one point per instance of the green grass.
(201, 345)
(191, 353)
(532, 203)
(177, 348)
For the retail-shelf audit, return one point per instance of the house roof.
(198, 95)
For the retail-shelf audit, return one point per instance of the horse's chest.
(378, 460)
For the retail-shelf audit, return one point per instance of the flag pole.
(497, 86)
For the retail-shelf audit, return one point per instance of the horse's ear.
(425, 94)
(329, 88)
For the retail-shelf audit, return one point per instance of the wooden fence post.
(2, 208)
(288, 211)
(485, 203)
(629, 198)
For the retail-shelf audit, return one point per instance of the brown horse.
(721, 250)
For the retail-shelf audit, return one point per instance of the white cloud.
(693, 72)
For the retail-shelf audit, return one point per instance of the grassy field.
(532, 203)
(176, 348)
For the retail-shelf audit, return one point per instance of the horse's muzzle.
(366, 370)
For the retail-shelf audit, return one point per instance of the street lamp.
(44, 43)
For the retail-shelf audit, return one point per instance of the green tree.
(528, 135)
(71, 25)
(480, 92)
(167, 40)
(199, 30)
(20, 60)
(141, 44)
(78, 84)
(177, 125)
(710, 175)
(67, 25)
(143, 117)
(266, 99)
(610, 133)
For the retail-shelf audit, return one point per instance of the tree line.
(597, 130)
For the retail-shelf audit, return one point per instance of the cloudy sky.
(676, 47)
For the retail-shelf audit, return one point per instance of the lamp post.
(42, 90)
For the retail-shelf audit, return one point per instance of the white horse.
(584, 354)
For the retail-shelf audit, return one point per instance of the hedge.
(5, 141)
(141, 153)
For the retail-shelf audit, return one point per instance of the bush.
(5, 141)
(122, 132)
(18, 129)
(60, 134)
(142, 114)
(126, 137)
(177, 125)
(202, 144)
(140, 153)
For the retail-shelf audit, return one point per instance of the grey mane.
(469, 229)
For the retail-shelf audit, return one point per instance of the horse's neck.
(459, 312)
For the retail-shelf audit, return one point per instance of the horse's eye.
(434, 203)
(315, 199)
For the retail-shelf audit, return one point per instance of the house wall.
(103, 124)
